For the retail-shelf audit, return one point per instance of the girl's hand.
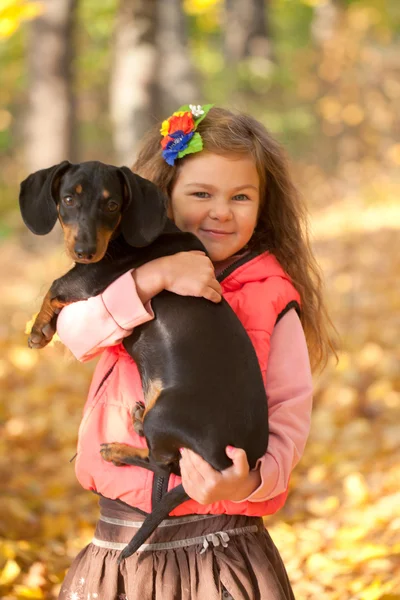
(185, 273)
(206, 485)
(191, 274)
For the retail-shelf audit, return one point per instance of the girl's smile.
(217, 198)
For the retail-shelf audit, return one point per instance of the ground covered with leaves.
(339, 533)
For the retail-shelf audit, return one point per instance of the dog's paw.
(138, 428)
(139, 411)
(39, 337)
(112, 453)
(137, 419)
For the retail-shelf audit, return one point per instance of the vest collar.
(254, 266)
(236, 264)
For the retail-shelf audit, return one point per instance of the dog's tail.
(171, 500)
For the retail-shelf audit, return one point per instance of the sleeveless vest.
(259, 292)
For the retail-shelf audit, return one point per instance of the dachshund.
(202, 383)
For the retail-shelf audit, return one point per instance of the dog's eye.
(112, 206)
(69, 201)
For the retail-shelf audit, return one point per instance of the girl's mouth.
(216, 232)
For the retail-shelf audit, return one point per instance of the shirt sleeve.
(289, 390)
(89, 326)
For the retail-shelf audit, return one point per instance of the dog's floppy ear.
(145, 215)
(37, 201)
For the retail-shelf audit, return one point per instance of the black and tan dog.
(202, 384)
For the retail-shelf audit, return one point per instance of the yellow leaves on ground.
(23, 591)
(10, 572)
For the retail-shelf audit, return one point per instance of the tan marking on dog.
(44, 317)
(45, 314)
(70, 233)
(103, 238)
(106, 194)
(152, 394)
(78, 189)
(116, 452)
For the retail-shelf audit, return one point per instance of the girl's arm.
(289, 390)
(87, 327)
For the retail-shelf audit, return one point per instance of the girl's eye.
(69, 201)
(241, 197)
(201, 194)
(112, 206)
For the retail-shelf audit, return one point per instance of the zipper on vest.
(238, 263)
(104, 378)
(160, 487)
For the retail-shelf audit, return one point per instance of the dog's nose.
(86, 253)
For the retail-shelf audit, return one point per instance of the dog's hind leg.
(122, 454)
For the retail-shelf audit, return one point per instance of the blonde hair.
(282, 223)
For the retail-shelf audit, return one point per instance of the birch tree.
(177, 79)
(50, 112)
(133, 97)
(247, 30)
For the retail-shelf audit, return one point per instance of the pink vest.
(258, 291)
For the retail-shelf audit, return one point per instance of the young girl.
(227, 182)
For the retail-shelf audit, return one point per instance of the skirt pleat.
(249, 567)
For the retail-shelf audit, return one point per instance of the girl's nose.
(220, 211)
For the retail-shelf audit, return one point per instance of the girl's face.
(217, 198)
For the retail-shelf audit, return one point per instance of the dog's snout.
(84, 252)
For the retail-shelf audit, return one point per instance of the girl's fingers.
(211, 294)
(213, 291)
(192, 481)
(191, 468)
(239, 458)
(216, 286)
(200, 465)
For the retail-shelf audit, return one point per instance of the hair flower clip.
(179, 132)
(197, 111)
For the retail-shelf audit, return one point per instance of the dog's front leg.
(71, 287)
(44, 326)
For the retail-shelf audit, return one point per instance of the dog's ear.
(145, 215)
(37, 198)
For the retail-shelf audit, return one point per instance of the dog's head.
(92, 201)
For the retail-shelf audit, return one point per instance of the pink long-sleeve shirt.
(86, 328)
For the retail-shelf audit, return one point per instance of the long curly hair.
(282, 227)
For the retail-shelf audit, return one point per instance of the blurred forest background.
(83, 79)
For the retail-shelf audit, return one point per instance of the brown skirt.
(199, 557)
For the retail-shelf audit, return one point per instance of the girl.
(227, 182)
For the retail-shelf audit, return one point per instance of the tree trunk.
(49, 119)
(133, 95)
(177, 81)
(325, 21)
(247, 33)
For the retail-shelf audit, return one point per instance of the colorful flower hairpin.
(179, 132)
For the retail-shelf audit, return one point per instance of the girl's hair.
(282, 223)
